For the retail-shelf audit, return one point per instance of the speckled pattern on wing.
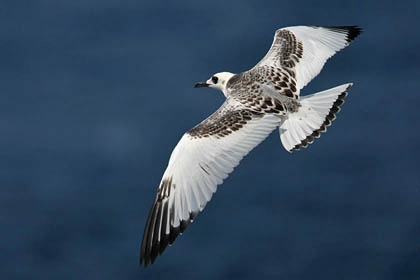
(291, 49)
(224, 121)
(250, 90)
(286, 51)
(265, 89)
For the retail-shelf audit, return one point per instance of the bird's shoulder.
(263, 81)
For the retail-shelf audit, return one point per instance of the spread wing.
(203, 158)
(302, 51)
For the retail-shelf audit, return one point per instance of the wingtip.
(351, 31)
(149, 256)
(143, 261)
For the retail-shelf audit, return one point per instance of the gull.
(258, 101)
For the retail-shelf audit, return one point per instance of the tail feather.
(316, 113)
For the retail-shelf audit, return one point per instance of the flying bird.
(257, 102)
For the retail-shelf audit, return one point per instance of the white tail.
(317, 111)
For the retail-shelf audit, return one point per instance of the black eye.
(214, 79)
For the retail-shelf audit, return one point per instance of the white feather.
(198, 165)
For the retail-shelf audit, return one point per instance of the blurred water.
(95, 95)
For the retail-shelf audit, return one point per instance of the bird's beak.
(202, 84)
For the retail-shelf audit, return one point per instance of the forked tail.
(317, 111)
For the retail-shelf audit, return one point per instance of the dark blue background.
(95, 94)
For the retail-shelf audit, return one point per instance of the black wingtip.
(351, 31)
(143, 261)
(184, 225)
(149, 254)
(157, 236)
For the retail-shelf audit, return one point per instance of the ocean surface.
(94, 95)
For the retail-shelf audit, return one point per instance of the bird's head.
(217, 81)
